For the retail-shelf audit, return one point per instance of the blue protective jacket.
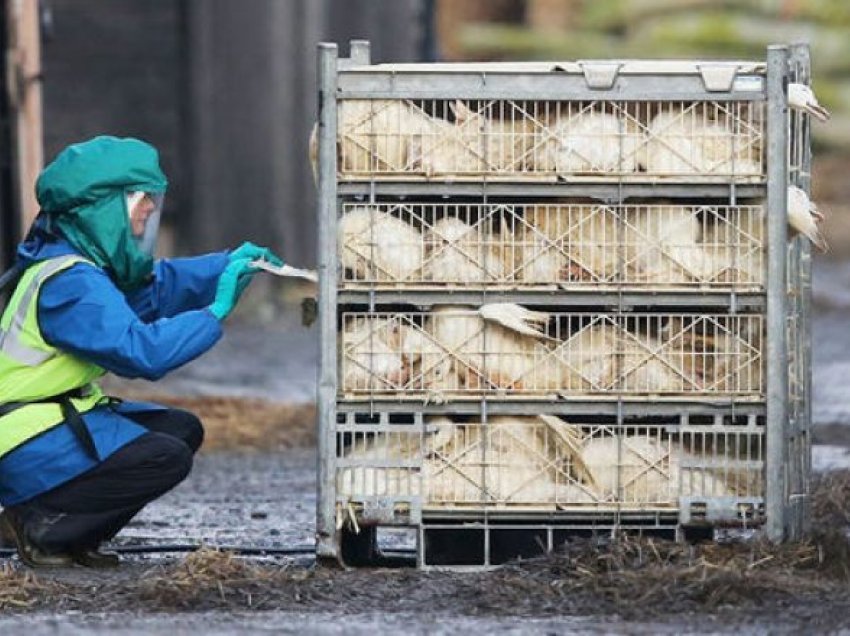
(144, 334)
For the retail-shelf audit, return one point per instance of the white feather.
(516, 318)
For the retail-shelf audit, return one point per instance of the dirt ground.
(265, 499)
(629, 587)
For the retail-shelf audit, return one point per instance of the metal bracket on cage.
(388, 511)
(600, 75)
(715, 509)
(718, 78)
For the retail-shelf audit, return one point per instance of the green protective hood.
(84, 190)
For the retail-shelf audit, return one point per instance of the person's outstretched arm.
(81, 311)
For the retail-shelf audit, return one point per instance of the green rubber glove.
(254, 252)
(232, 282)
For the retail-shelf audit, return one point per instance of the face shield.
(144, 210)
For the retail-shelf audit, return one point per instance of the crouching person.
(75, 465)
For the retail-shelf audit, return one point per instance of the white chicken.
(608, 358)
(502, 144)
(689, 141)
(502, 351)
(375, 246)
(802, 98)
(370, 356)
(645, 470)
(662, 245)
(803, 217)
(570, 242)
(587, 141)
(512, 461)
(735, 359)
(429, 364)
(457, 252)
(375, 135)
(735, 247)
(373, 474)
(736, 243)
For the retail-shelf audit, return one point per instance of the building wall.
(226, 90)
(115, 68)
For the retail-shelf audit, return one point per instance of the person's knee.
(171, 457)
(188, 427)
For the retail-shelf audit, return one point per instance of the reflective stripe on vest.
(31, 369)
(11, 341)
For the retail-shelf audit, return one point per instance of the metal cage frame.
(783, 415)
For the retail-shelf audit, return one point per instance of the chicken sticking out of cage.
(803, 217)
(512, 460)
(458, 252)
(697, 139)
(569, 242)
(375, 247)
(370, 355)
(736, 240)
(584, 140)
(802, 98)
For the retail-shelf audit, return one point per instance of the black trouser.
(93, 507)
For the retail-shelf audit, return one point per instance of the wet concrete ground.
(366, 624)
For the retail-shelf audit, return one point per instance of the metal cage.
(632, 215)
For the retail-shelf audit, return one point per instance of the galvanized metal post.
(359, 52)
(326, 544)
(777, 336)
(801, 57)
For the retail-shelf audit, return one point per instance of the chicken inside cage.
(504, 349)
(549, 139)
(704, 138)
(546, 461)
(554, 245)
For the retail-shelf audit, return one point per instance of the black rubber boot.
(7, 537)
(96, 558)
(31, 554)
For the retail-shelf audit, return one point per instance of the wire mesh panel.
(506, 350)
(521, 138)
(542, 462)
(565, 245)
(378, 459)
